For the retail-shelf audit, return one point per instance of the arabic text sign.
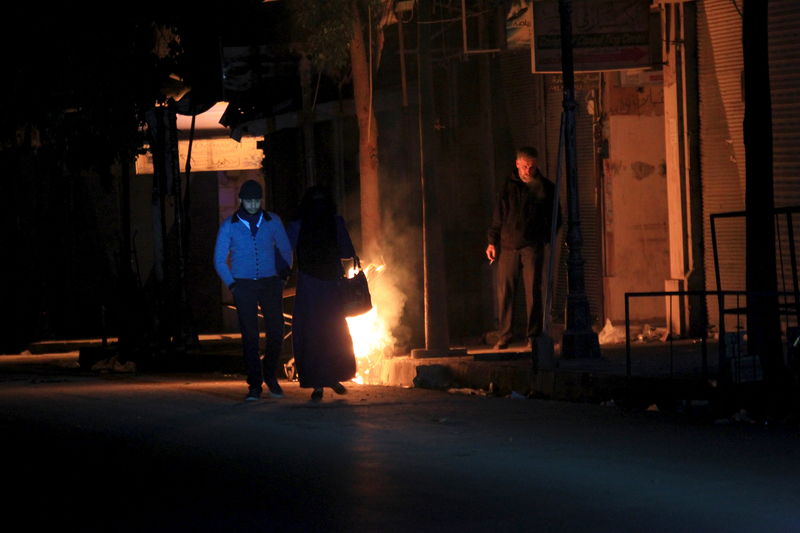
(606, 35)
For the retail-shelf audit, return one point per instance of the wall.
(634, 199)
(635, 211)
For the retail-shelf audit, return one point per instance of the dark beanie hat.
(251, 189)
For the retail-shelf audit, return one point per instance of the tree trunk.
(308, 123)
(367, 144)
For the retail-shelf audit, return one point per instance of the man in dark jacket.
(256, 243)
(520, 229)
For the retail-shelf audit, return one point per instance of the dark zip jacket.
(523, 213)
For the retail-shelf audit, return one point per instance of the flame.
(370, 332)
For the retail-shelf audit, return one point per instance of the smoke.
(396, 287)
(392, 286)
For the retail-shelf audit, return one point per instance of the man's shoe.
(253, 395)
(339, 389)
(274, 388)
(316, 395)
(500, 345)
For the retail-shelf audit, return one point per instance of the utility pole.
(126, 284)
(437, 332)
(309, 174)
(579, 340)
(763, 317)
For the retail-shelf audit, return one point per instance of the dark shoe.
(274, 389)
(253, 395)
(339, 389)
(316, 395)
(500, 345)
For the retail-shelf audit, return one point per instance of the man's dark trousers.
(511, 263)
(247, 295)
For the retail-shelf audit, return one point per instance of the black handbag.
(356, 299)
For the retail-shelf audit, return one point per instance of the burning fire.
(370, 332)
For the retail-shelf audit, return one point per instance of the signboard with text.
(606, 35)
(210, 155)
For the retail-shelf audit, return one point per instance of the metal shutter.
(585, 84)
(524, 101)
(720, 64)
(784, 63)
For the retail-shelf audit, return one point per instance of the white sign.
(606, 35)
(212, 154)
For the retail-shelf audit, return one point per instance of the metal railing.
(726, 353)
(788, 304)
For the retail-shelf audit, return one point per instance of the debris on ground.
(741, 416)
(611, 334)
(113, 364)
(468, 391)
(433, 377)
(650, 333)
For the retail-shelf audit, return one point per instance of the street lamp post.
(579, 340)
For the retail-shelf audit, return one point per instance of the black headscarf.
(317, 248)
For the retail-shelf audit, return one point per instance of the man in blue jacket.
(252, 238)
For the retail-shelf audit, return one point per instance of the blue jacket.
(251, 256)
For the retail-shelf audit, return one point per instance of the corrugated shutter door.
(524, 100)
(784, 63)
(587, 185)
(553, 117)
(534, 115)
(784, 53)
(720, 64)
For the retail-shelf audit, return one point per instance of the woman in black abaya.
(323, 348)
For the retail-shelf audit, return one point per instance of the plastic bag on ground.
(610, 334)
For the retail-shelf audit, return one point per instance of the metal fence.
(786, 222)
(733, 361)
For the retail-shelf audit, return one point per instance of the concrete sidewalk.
(659, 371)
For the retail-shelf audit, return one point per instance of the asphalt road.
(120, 452)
